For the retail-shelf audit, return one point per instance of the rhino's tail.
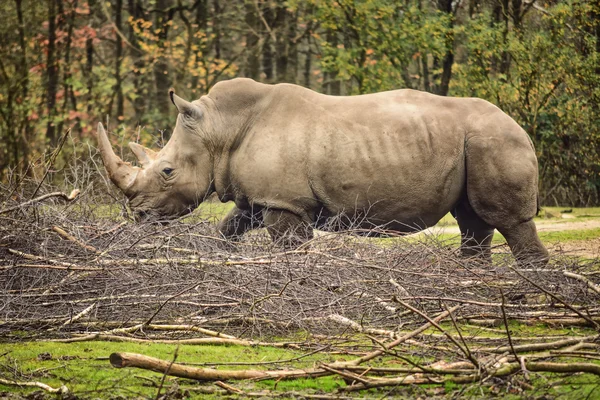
(538, 209)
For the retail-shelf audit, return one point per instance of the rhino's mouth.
(151, 216)
(142, 216)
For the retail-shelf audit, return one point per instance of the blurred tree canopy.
(67, 64)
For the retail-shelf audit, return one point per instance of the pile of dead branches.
(79, 271)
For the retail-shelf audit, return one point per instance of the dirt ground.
(567, 225)
(584, 248)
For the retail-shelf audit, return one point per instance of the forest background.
(65, 65)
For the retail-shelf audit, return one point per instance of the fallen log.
(192, 341)
(503, 370)
(122, 360)
(539, 346)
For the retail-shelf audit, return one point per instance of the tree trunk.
(201, 20)
(67, 86)
(517, 13)
(89, 65)
(596, 25)
(252, 69)
(26, 129)
(290, 65)
(446, 7)
(217, 28)
(9, 138)
(267, 51)
(161, 68)
(424, 58)
(281, 43)
(307, 66)
(331, 83)
(139, 82)
(425, 67)
(500, 16)
(118, 88)
(474, 7)
(51, 74)
(446, 73)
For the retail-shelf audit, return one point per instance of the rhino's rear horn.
(185, 107)
(120, 172)
(144, 155)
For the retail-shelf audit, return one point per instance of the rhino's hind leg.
(502, 178)
(238, 221)
(525, 243)
(286, 228)
(476, 234)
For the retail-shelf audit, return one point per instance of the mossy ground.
(84, 368)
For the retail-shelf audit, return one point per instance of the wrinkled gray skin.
(292, 159)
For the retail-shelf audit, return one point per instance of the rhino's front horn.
(120, 172)
(183, 106)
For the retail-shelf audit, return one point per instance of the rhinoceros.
(293, 159)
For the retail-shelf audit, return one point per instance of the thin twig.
(55, 153)
(73, 239)
(557, 298)
(466, 352)
(70, 197)
(62, 390)
(162, 381)
(591, 285)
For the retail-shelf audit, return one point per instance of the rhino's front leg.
(238, 221)
(286, 228)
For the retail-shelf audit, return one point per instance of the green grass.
(569, 235)
(84, 367)
(325, 384)
(516, 328)
(547, 237)
(448, 220)
(587, 212)
(212, 211)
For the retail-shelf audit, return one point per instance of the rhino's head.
(173, 181)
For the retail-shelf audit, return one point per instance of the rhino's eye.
(167, 171)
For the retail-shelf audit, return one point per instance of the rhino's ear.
(185, 107)
(144, 155)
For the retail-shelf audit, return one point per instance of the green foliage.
(549, 83)
(68, 64)
(371, 44)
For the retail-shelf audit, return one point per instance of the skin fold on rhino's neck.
(234, 106)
